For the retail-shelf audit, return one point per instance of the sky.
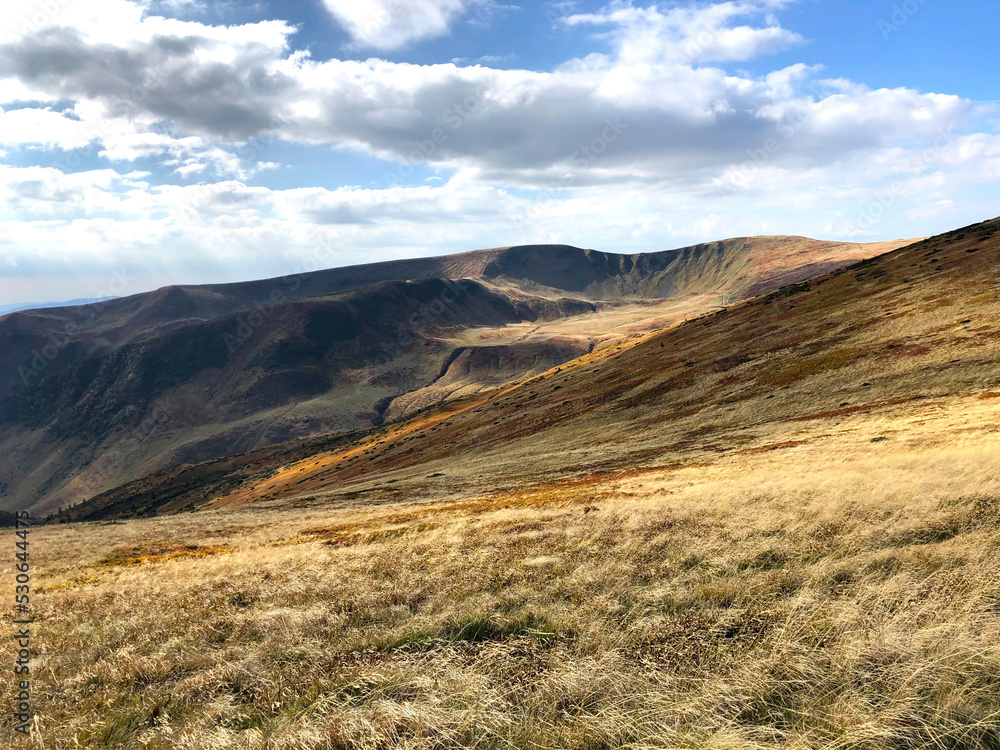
(153, 142)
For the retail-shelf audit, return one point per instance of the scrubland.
(831, 592)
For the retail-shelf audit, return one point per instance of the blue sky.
(150, 142)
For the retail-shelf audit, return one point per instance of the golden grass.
(823, 592)
(665, 555)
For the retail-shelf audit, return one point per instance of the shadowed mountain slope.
(93, 396)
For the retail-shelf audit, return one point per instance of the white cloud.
(169, 83)
(43, 127)
(391, 24)
(189, 155)
(229, 229)
(688, 34)
(647, 145)
(100, 20)
(14, 90)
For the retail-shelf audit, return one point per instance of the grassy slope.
(790, 542)
(909, 329)
(831, 594)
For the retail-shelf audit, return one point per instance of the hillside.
(912, 331)
(94, 396)
(773, 526)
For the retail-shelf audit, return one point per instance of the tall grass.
(804, 598)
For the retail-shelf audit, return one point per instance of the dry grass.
(663, 555)
(831, 594)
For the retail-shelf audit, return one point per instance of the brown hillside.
(911, 332)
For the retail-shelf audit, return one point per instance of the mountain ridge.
(187, 374)
(906, 337)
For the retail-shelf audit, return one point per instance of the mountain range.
(859, 355)
(95, 396)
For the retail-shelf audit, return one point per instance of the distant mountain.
(94, 396)
(5, 309)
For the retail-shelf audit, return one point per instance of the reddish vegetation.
(856, 409)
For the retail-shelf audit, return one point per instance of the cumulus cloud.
(391, 24)
(227, 87)
(607, 149)
(689, 34)
(231, 84)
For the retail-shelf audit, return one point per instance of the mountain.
(773, 525)
(6, 309)
(92, 397)
(897, 347)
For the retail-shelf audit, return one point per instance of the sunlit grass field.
(829, 593)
